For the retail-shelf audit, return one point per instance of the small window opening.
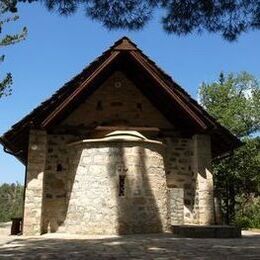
(59, 167)
(99, 105)
(121, 192)
(139, 106)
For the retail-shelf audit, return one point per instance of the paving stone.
(156, 246)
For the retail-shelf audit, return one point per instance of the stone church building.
(119, 149)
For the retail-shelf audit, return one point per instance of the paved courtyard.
(163, 246)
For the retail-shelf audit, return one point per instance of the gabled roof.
(166, 93)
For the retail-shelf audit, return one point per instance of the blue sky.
(57, 48)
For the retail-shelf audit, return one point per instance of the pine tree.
(6, 16)
(230, 18)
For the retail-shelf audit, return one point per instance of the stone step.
(206, 231)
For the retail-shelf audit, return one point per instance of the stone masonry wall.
(95, 206)
(53, 170)
(108, 105)
(201, 166)
(176, 206)
(37, 151)
(188, 168)
(56, 182)
(180, 176)
(112, 105)
(195, 192)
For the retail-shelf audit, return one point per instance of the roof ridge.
(124, 44)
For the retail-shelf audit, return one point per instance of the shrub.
(249, 214)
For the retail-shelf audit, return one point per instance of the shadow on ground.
(131, 247)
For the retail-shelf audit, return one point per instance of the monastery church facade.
(119, 149)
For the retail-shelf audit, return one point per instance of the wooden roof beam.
(134, 128)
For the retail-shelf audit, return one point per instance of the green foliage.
(235, 102)
(11, 201)
(5, 85)
(242, 168)
(5, 18)
(238, 176)
(248, 216)
(230, 18)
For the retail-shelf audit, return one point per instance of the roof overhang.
(170, 95)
